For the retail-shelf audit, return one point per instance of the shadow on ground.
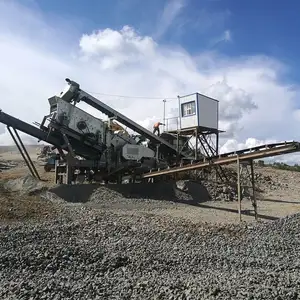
(167, 191)
(243, 212)
(280, 201)
(197, 194)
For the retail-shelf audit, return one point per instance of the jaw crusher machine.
(97, 149)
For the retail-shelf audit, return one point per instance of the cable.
(134, 97)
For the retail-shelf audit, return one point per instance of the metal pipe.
(28, 157)
(20, 150)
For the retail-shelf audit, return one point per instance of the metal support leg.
(196, 145)
(157, 154)
(217, 144)
(177, 146)
(68, 144)
(119, 178)
(69, 173)
(253, 198)
(24, 153)
(246, 184)
(239, 188)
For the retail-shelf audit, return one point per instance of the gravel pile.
(221, 191)
(28, 185)
(112, 193)
(227, 191)
(89, 255)
(268, 183)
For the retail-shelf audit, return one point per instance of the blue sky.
(268, 27)
(243, 53)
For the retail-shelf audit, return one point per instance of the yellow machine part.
(117, 127)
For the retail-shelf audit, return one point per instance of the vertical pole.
(239, 188)
(217, 149)
(69, 171)
(164, 101)
(196, 146)
(179, 112)
(254, 203)
(56, 171)
(217, 143)
(177, 145)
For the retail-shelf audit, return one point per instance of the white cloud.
(114, 48)
(2, 128)
(171, 10)
(225, 37)
(232, 144)
(255, 105)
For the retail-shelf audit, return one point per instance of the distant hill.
(14, 148)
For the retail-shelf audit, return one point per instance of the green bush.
(279, 165)
(283, 166)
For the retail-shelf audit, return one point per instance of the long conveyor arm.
(27, 128)
(81, 148)
(110, 112)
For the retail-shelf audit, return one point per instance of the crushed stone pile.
(25, 185)
(184, 191)
(103, 255)
(221, 191)
(227, 191)
(267, 183)
(190, 192)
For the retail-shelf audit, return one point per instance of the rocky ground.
(88, 253)
(147, 243)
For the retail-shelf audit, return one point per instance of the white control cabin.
(197, 110)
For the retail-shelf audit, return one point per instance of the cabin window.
(188, 109)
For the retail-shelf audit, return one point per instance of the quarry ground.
(101, 245)
(277, 201)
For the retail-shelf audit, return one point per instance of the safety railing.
(171, 124)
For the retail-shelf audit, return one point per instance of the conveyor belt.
(27, 128)
(258, 152)
(110, 112)
(82, 149)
